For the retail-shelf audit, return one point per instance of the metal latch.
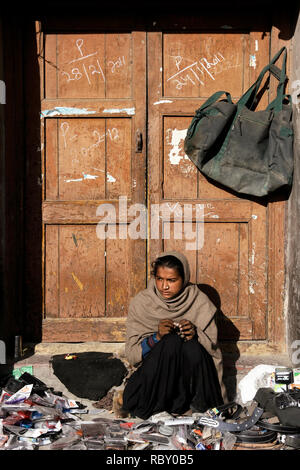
(138, 141)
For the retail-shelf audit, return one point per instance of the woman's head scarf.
(148, 307)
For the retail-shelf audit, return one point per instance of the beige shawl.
(148, 307)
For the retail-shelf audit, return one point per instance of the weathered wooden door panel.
(88, 65)
(82, 158)
(231, 262)
(194, 63)
(75, 272)
(93, 105)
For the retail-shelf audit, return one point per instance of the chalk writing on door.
(87, 65)
(197, 71)
(96, 136)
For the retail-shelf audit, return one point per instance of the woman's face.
(168, 282)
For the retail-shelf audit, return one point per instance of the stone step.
(39, 357)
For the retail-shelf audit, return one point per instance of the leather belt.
(222, 425)
(280, 428)
(256, 437)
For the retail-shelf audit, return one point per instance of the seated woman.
(172, 340)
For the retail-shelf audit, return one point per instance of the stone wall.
(293, 217)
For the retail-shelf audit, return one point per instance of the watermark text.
(161, 221)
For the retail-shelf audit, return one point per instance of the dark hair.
(168, 262)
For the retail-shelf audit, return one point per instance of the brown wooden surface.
(89, 282)
(233, 266)
(93, 103)
(72, 330)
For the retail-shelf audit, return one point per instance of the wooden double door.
(115, 108)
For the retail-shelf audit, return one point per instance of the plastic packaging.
(217, 444)
(48, 426)
(3, 439)
(152, 437)
(115, 443)
(258, 377)
(14, 444)
(114, 430)
(228, 441)
(177, 442)
(163, 416)
(77, 446)
(94, 444)
(207, 432)
(43, 401)
(93, 429)
(162, 447)
(12, 419)
(4, 396)
(143, 427)
(200, 446)
(166, 430)
(134, 436)
(47, 411)
(142, 446)
(178, 421)
(182, 432)
(12, 429)
(19, 396)
(69, 436)
(180, 439)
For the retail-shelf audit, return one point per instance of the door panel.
(194, 63)
(88, 66)
(82, 158)
(92, 108)
(79, 276)
(231, 262)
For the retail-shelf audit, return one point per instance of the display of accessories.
(33, 416)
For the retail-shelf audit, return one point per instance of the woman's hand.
(187, 329)
(164, 327)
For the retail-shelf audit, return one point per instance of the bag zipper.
(261, 123)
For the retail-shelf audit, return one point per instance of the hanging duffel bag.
(250, 152)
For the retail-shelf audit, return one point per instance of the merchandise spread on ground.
(36, 417)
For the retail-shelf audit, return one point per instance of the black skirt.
(176, 375)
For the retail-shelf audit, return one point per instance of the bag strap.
(213, 98)
(276, 106)
(252, 91)
(201, 111)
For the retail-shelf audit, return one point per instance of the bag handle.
(213, 98)
(252, 91)
(275, 105)
(200, 112)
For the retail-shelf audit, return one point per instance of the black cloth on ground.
(91, 374)
(175, 376)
